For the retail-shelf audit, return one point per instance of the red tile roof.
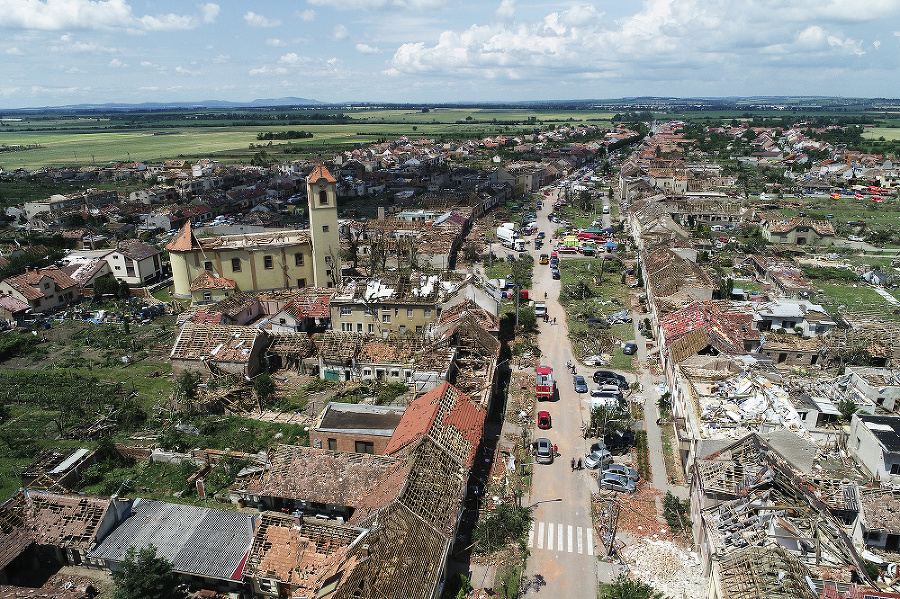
(445, 414)
(724, 331)
(184, 241)
(320, 172)
(209, 281)
(28, 283)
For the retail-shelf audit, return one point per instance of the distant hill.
(117, 106)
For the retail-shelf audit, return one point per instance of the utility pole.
(518, 293)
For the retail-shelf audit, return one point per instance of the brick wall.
(346, 442)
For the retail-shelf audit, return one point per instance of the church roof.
(320, 172)
(184, 241)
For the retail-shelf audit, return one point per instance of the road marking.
(541, 535)
(580, 541)
(550, 536)
(531, 536)
(559, 538)
(572, 537)
(590, 543)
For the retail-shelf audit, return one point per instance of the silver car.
(598, 458)
(621, 470)
(617, 483)
(543, 451)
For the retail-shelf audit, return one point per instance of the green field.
(888, 133)
(148, 137)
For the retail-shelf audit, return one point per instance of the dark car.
(580, 384)
(540, 235)
(608, 377)
(554, 273)
(598, 322)
(511, 258)
(629, 349)
(614, 442)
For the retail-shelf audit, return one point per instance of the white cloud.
(506, 10)
(221, 59)
(74, 71)
(68, 44)
(877, 44)
(54, 15)
(8, 91)
(340, 33)
(14, 51)
(357, 5)
(115, 63)
(255, 20)
(267, 70)
(367, 49)
(289, 58)
(306, 15)
(209, 12)
(185, 71)
(277, 43)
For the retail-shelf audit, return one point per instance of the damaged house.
(217, 349)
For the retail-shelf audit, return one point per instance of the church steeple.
(321, 191)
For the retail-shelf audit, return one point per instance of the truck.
(545, 386)
(507, 235)
(540, 309)
(587, 248)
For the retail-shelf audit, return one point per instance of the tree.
(264, 387)
(144, 575)
(847, 408)
(629, 588)
(105, 286)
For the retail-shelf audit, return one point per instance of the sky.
(59, 52)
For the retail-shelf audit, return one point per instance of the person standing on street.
(573, 464)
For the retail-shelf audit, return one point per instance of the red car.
(543, 420)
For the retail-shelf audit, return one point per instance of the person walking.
(578, 466)
(573, 464)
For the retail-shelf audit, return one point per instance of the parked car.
(598, 322)
(545, 259)
(621, 470)
(608, 377)
(598, 458)
(604, 389)
(616, 482)
(580, 384)
(554, 262)
(543, 419)
(543, 451)
(598, 446)
(614, 442)
(554, 273)
(540, 235)
(629, 349)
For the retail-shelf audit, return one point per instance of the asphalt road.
(563, 562)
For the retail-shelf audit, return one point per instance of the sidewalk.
(650, 391)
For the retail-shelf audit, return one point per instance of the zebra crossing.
(559, 537)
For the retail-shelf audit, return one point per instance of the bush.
(508, 523)
(629, 588)
(389, 392)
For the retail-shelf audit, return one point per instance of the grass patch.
(643, 454)
(847, 298)
(673, 461)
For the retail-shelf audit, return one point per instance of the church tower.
(321, 192)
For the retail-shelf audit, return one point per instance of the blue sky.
(55, 52)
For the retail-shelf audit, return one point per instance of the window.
(402, 330)
(118, 267)
(418, 329)
(347, 327)
(268, 262)
(427, 312)
(409, 312)
(324, 228)
(395, 374)
(235, 265)
(371, 329)
(282, 321)
(323, 198)
(365, 447)
(207, 296)
(298, 259)
(359, 327)
(46, 285)
(332, 444)
(386, 318)
(207, 266)
(396, 311)
(301, 282)
(327, 259)
(346, 310)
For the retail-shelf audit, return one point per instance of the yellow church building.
(265, 261)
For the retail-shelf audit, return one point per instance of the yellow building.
(265, 261)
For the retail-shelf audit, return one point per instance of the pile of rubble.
(671, 569)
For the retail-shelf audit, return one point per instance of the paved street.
(562, 541)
